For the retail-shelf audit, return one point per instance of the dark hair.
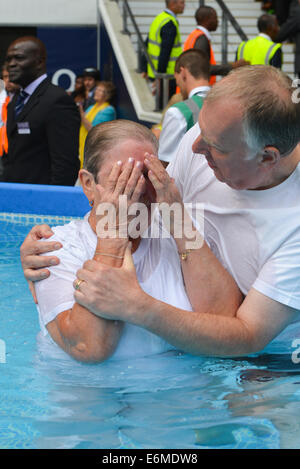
(196, 61)
(91, 72)
(204, 13)
(264, 22)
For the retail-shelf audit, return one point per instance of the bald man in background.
(42, 121)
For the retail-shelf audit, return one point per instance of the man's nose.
(10, 62)
(198, 145)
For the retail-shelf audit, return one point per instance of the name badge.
(23, 128)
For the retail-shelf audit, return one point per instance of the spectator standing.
(200, 38)
(42, 121)
(281, 8)
(291, 29)
(101, 111)
(90, 78)
(164, 41)
(262, 50)
(192, 77)
(79, 90)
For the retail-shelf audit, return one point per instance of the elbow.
(86, 353)
(83, 346)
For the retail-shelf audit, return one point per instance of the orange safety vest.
(3, 133)
(190, 43)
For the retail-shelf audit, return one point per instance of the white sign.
(69, 73)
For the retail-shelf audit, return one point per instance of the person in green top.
(192, 73)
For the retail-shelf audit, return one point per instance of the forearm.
(110, 251)
(210, 288)
(85, 122)
(84, 336)
(193, 332)
(222, 69)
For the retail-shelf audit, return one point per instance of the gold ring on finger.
(78, 283)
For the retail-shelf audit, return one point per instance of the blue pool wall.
(43, 200)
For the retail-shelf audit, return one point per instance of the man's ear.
(183, 73)
(87, 182)
(270, 156)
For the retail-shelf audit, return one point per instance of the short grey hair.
(105, 136)
(270, 115)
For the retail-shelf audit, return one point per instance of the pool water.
(167, 401)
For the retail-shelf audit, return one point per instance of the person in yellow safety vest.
(164, 41)
(200, 38)
(262, 50)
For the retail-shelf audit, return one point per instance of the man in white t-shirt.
(244, 167)
(192, 77)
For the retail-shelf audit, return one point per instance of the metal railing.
(162, 79)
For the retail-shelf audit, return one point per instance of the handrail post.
(157, 94)
(224, 38)
(125, 16)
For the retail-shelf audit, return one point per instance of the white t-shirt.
(255, 234)
(158, 270)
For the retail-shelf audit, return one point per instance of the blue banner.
(69, 51)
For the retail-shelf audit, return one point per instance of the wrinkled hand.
(124, 186)
(33, 263)
(164, 185)
(167, 196)
(109, 292)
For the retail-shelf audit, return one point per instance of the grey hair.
(105, 136)
(270, 115)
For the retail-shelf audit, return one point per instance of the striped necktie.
(20, 102)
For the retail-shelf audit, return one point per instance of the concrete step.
(245, 12)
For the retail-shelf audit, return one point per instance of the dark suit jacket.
(49, 153)
(291, 29)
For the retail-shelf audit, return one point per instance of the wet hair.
(271, 115)
(265, 22)
(202, 14)
(105, 136)
(196, 61)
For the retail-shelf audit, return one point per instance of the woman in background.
(101, 111)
